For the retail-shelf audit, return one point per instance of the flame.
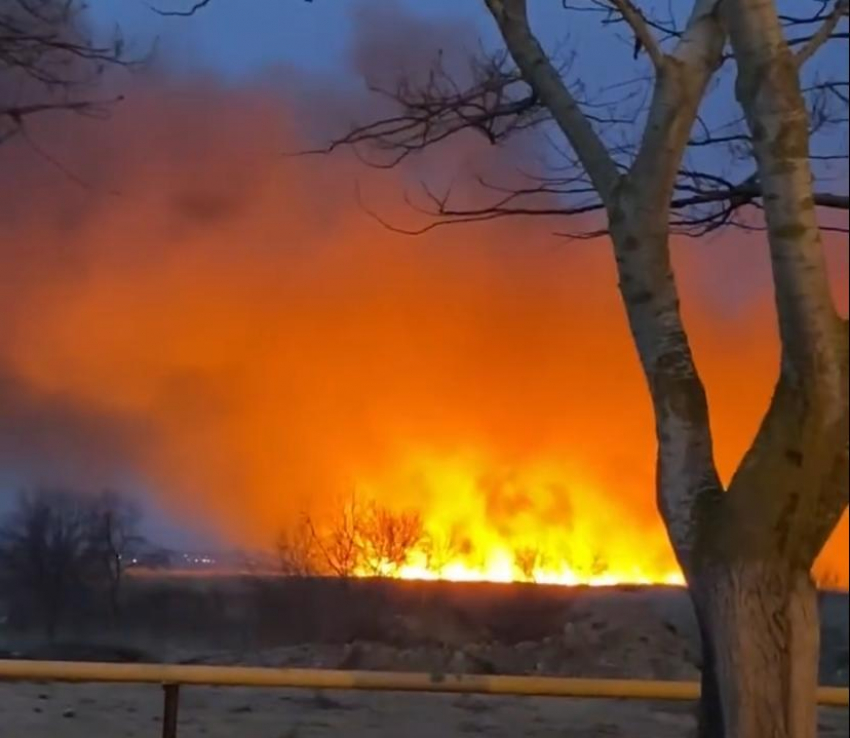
(547, 523)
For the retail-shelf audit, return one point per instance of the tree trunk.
(710, 706)
(51, 623)
(762, 643)
(115, 580)
(114, 603)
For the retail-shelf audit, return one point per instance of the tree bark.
(710, 706)
(749, 575)
(762, 639)
(769, 91)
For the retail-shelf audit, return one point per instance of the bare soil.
(618, 633)
(87, 711)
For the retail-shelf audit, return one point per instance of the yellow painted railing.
(173, 676)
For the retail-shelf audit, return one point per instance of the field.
(623, 632)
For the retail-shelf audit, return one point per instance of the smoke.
(225, 326)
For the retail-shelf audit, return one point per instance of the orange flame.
(544, 523)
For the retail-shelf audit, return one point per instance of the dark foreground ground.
(33, 711)
(626, 632)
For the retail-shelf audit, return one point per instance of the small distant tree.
(439, 551)
(355, 538)
(112, 535)
(527, 560)
(297, 552)
(600, 565)
(338, 541)
(388, 538)
(44, 553)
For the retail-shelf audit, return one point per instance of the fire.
(547, 523)
(224, 331)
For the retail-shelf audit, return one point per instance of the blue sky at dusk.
(240, 41)
(237, 40)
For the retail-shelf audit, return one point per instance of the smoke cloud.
(222, 325)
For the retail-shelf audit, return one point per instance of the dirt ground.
(66, 711)
(639, 634)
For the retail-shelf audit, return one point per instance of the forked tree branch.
(677, 96)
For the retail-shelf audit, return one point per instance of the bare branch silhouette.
(48, 63)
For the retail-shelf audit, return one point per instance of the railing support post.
(169, 714)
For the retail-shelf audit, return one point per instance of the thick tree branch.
(777, 118)
(644, 38)
(677, 97)
(640, 228)
(824, 33)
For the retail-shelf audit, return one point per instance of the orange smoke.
(237, 337)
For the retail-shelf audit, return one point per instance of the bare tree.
(747, 549)
(353, 539)
(599, 565)
(43, 553)
(388, 538)
(440, 550)
(528, 560)
(297, 550)
(338, 539)
(112, 535)
(49, 62)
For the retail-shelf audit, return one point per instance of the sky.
(236, 43)
(242, 42)
(215, 245)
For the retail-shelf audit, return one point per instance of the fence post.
(169, 714)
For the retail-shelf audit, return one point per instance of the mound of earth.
(633, 634)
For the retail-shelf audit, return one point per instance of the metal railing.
(172, 677)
